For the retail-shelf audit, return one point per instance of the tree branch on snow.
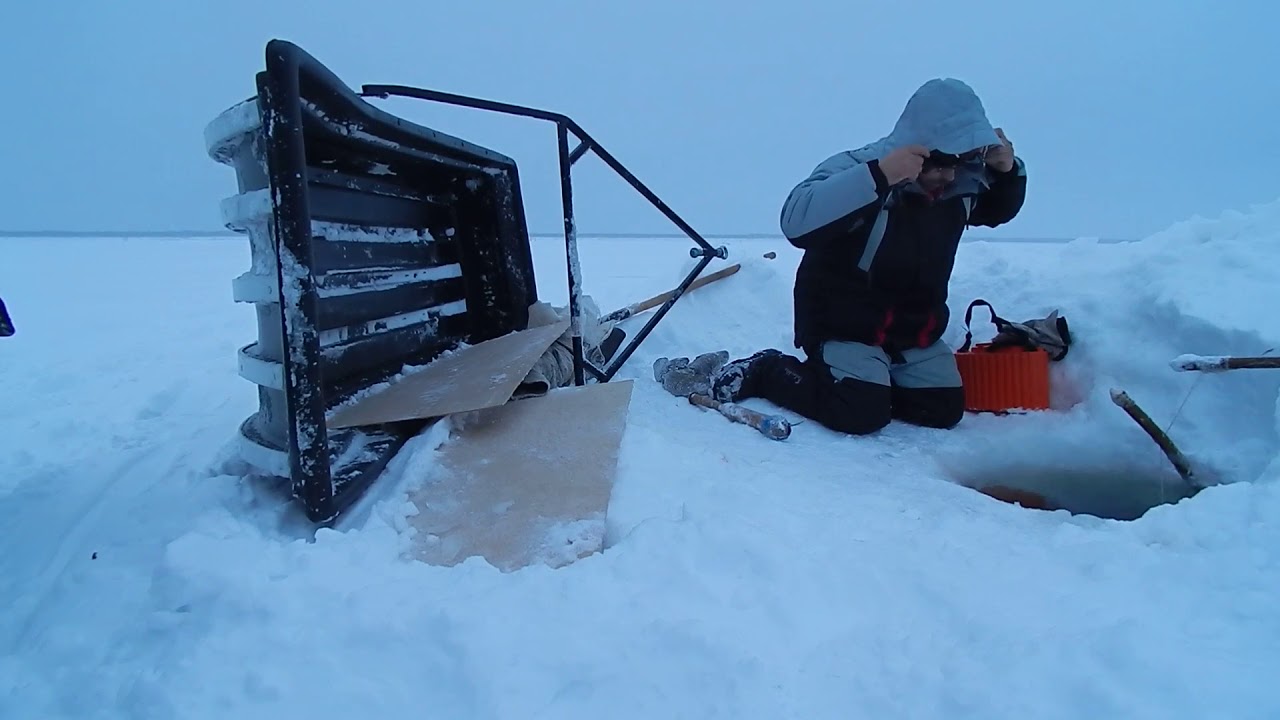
(1220, 363)
(1180, 463)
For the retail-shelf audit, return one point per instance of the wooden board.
(470, 378)
(526, 482)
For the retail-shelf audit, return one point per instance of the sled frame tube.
(565, 127)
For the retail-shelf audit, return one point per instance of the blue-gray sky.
(1130, 116)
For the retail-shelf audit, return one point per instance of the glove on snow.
(682, 377)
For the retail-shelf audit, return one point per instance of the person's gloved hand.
(1000, 157)
(904, 163)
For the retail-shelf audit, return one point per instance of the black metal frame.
(315, 152)
(346, 313)
(564, 127)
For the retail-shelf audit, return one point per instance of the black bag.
(1050, 333)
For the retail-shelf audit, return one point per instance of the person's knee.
(937, 407)
(950, 409)
(867, 421)
(857, 407)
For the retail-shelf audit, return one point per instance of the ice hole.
(1121, 491)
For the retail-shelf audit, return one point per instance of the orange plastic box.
(1004, 379)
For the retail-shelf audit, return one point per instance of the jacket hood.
(947, 115)
(943, 114)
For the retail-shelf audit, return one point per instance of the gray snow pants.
(859, 389)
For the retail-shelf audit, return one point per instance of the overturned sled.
(383, 254)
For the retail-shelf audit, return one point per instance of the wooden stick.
(656, 300)
(1219, 363)
(774, 427)
(1122, 399)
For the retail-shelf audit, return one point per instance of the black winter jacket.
(878, 260)
(879, 272)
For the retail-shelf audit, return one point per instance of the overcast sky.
(1130, 115)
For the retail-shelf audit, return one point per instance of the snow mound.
(822, 576)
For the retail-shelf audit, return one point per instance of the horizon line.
(192, 234)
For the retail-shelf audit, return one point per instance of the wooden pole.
(1180, 463)
(653, 302)
(1219, 363)
(774, 427)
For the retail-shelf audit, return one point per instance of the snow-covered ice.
(823, 576)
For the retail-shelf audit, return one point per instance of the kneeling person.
(879, 227)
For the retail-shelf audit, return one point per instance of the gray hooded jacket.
(943, 114)
(878, 258)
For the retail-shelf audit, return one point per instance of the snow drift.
(824, 576)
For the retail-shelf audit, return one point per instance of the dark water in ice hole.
(1117, 493)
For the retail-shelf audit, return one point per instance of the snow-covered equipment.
(393, 281)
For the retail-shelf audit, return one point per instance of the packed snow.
(821, 576)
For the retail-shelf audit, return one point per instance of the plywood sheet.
(470, 378)
(528, 482)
